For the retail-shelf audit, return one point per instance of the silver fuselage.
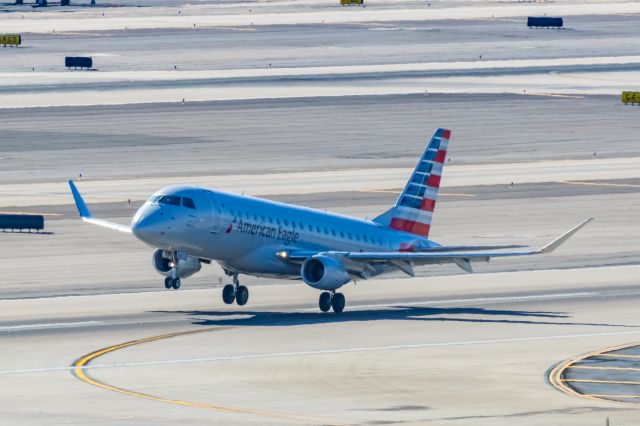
(244, 233)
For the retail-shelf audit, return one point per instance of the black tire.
(325, 301)
(176, 283)
(228, 294)
(242, 295)
(168, 283)
(337, 302)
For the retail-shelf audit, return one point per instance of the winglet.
(562, 238)
(83, 210)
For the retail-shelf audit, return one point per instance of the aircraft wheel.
(168, 283)
(176, 283)
(242, 295)
(228, 294)
(337, 302)
(325, 301)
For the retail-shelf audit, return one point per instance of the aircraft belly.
(262, 262)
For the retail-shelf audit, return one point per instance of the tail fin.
(414, 208)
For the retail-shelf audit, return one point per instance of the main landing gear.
(333, 300)
(172, 283)
(235, 292)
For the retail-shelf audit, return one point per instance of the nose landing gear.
(333, 300)
(235, 292)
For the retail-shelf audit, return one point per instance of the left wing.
(86, 216)
(405, 260)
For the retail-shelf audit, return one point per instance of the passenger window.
(173, 200)
(286, 222)
(333, 232)
(188, 202)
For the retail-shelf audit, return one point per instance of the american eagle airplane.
(190, 225)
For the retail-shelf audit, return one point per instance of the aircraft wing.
(405, 260)
(86, 216)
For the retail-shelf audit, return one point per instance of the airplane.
(190, 225)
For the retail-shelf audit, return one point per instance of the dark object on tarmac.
(544, 22)
(65, 2)
(78, 62)
(21, 222)
(41, 2)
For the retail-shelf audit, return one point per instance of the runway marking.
(621, 356)
(79, 367)
(31, 213)
(587, 367)
(49, 325)
(612, 382)
(557, 380)
(603, 396)
(451, 194)
(612, 185)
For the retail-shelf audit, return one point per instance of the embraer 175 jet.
(189, 225)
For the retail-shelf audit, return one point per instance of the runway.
(280, 361)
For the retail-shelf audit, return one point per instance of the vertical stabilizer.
(414, 209)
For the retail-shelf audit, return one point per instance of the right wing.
(358, 262)
(86, 216)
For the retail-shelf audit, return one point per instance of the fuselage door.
(216, 213)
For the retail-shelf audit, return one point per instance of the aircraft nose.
(145, 227)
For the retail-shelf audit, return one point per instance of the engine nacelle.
(324, 273)
(185, 267)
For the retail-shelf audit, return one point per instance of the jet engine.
(324, 273)
(185, 265)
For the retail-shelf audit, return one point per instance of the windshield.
(173, 200)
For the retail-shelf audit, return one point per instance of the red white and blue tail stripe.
(414, 209)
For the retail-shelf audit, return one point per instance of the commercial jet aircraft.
(190, 225)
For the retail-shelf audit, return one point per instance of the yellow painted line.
(611, 185)
(586, 367)
(621, 356)
(611, 382)
(81, 365)
(556, 375)
(604, 396)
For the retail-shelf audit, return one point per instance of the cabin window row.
(301, 226)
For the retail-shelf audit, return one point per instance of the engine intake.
(185, 265)
(324, 273)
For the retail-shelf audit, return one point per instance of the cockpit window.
(188, 202)
(173, 200)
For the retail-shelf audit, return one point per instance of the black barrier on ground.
(544, 22)
(78, 62)
(21, 222)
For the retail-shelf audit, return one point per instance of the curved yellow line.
(557, 373)
(81, 365)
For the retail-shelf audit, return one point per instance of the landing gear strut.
(333, 300)
(235, 292)
(171, 282)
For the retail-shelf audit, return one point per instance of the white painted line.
(50, 325)
(323, 352)
(474, 300)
